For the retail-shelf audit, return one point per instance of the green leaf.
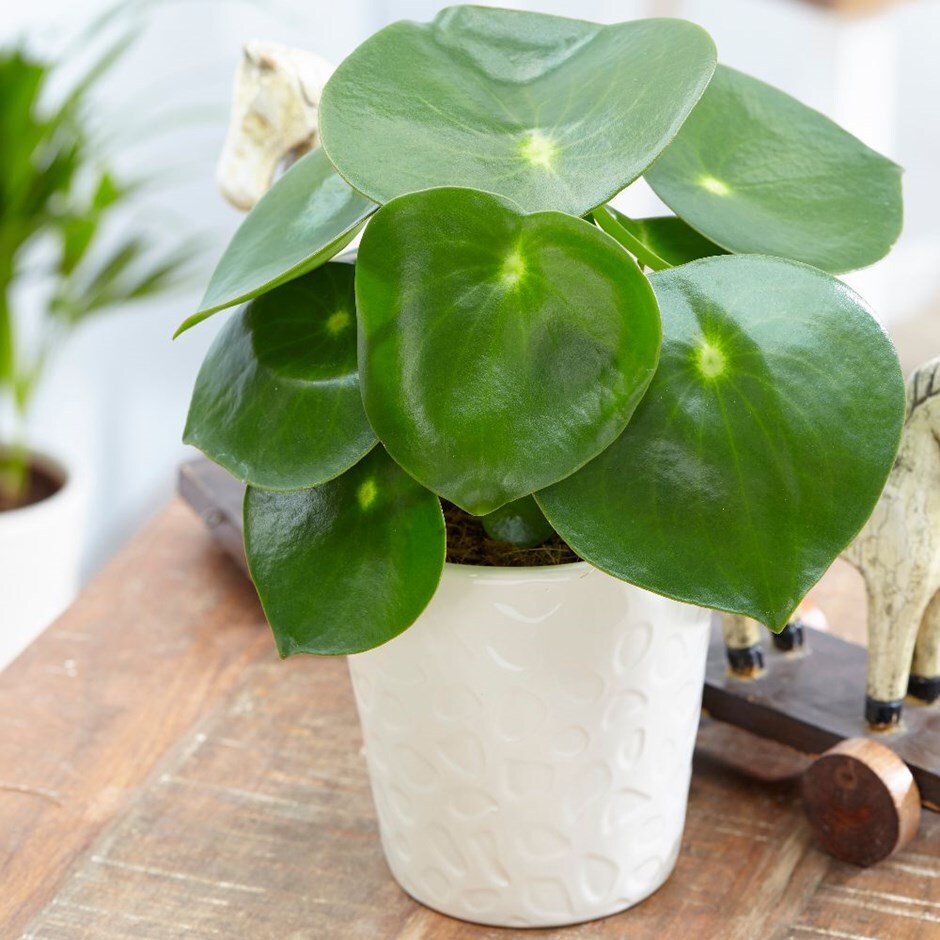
(78, 232)
(107, 193)
(671, 239)
(347, 565)
(757, 171)
(759, 450)
(553, 113)
(277, 399)
(308, 216)
(520, 522)
(498, 351)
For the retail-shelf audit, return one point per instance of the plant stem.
(643, 253)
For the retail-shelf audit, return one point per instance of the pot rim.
(566, 571)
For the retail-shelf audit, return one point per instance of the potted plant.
(58, 200)
(625, 421)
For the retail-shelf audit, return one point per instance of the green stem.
(643, 253)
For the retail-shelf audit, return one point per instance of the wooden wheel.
(862, 801)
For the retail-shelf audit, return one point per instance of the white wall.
(117, 397)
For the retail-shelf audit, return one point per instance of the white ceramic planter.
(40, 559)
(529, 742)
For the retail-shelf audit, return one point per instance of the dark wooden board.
(808, 701)
(163, 775)
(814, 699)
(217, 496)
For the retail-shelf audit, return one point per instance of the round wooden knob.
(861, 801)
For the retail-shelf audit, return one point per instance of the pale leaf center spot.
(367, 493)
(710, 360)
(513, 269)
(338, 322)
(538, 150)
(714, 185)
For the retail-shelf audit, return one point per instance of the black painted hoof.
(746, 662)
(883, 715)
(790, 638)
(925, 688)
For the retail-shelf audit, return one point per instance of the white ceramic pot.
(529, 742)
(40, 560)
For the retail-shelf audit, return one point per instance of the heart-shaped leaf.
(553, 113)
(757, 171)
(498, 351)
(759, 450)
(277, 399)
(305, 219)
(347, 565)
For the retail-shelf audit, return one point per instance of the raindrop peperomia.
(694, 404)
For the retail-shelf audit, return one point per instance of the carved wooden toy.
(274, 118)
(898, 554)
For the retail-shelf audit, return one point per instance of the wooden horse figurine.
(898, 555)
(274, 118)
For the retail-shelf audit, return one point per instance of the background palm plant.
(63, 219)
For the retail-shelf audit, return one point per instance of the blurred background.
(114, 400)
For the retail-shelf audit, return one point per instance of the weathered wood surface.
(164, 776)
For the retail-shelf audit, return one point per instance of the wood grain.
(167, 777)
(90, 707)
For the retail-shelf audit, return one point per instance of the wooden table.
(163, 775)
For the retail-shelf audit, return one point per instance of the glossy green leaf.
(277, 400)
(553, 113)
(757, 171)
(520, 522)
(349, 564)
(759, 450)
(498, 351)
(305, 219)
(670, 238)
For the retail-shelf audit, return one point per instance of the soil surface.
(40, 485)
(468, 544)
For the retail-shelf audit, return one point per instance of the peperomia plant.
(695, 403)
